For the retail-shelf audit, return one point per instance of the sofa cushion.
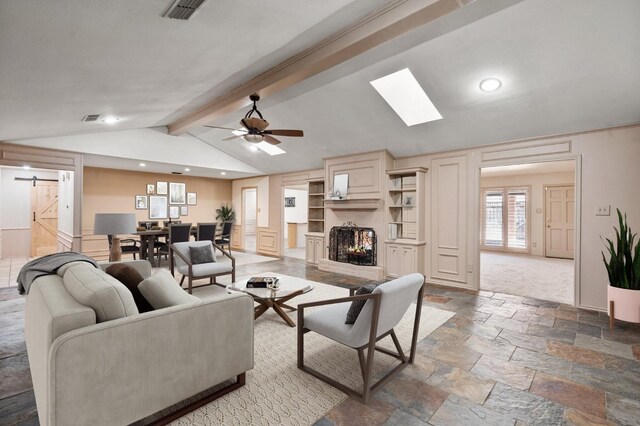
(61, 270)
(92, 287)
(162, 290)
(130, 277)
(199, 255)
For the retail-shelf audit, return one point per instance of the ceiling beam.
(394, 20)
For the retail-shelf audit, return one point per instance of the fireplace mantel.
(354, 204)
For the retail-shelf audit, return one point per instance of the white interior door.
(559, 216)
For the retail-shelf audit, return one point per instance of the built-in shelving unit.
(405, 240)
(316, 206)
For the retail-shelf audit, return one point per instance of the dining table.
(148, 239)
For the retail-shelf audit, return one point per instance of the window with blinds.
(505, 216)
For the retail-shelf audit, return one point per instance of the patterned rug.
(276, 391)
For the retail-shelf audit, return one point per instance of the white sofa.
(122, 370)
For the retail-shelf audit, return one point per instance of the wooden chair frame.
(366, 366)
(212, 277)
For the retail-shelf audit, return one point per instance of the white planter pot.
(626, 304)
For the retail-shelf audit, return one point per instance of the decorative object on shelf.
(142, 202)
(408, 200)
(177, 193)
(174, 212)
(289, 201)
(340, 186)
(623, 269)
(158, 207)
(184, 211)
(151, 189)
(225, 214)
(192, 198)
(114, 224)
(161, 188)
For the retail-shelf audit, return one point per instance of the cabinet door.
(392, 260)
(319, 249)
(408, 261)
(310, 251)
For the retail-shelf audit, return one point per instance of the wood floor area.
(500, 359)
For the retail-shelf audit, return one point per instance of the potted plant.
(623, 268)
(225, 214)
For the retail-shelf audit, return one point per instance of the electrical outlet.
(469, 268)
(539, 210)
(604, 210)
(534, 244)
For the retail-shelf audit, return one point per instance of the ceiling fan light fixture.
(253, 138)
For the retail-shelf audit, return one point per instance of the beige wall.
(114, 191)
(536, 183)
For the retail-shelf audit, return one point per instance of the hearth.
(352, 244)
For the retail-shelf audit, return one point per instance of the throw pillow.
(202, 254)
(162, 291)
(357, 305)
(130, 278)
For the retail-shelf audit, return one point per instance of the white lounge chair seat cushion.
(329, 321)
(206, 269)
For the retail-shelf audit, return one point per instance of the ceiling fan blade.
(271, 140)
(285, 132)
(217, 127)
(231, 138)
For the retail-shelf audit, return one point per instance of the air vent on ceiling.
(176, 173)
(91, 117)
(183, 9)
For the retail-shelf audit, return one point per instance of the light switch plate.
(603, 210)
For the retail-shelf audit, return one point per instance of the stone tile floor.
(9, 269)
(501, 359)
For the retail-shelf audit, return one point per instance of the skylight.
(270, 149)
(403, 93)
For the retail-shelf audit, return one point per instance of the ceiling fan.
(255, 129)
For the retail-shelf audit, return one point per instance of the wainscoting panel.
(65, 241)
(236, 237)
(16, 243)
(267, 242)
(448, 224)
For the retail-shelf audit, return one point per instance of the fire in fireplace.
(351, 244)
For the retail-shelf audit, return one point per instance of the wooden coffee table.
(276, 299)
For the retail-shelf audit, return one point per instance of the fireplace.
(352, 244)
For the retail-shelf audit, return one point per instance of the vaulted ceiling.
(565, 66)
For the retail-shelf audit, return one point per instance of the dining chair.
(206, 231)
(128, 245)
(382, 312)
(179, 232)
(224, 239)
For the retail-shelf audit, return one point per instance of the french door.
(505, 224)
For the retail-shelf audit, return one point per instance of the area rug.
(276, 391)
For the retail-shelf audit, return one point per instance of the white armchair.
(181, 259)
(384, 309)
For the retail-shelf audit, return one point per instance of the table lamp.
(114, 224)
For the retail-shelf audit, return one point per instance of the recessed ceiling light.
(403, 93)
(253, 148)
(490, 84)
(270, 149)
(187, 169)
(142, 165)
(26, 167)
(110, 120)
(223, 173)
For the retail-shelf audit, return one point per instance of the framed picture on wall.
(151, 189)
(192, 198)
(142, 202)
(289, 201)
(174, 212)
(184, 210)
(161, 188)
(157, 207)
(177, 193)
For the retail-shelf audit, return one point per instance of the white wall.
(536, 199)
(15, 210)
(297, 214)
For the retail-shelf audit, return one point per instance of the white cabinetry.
(314, 248)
